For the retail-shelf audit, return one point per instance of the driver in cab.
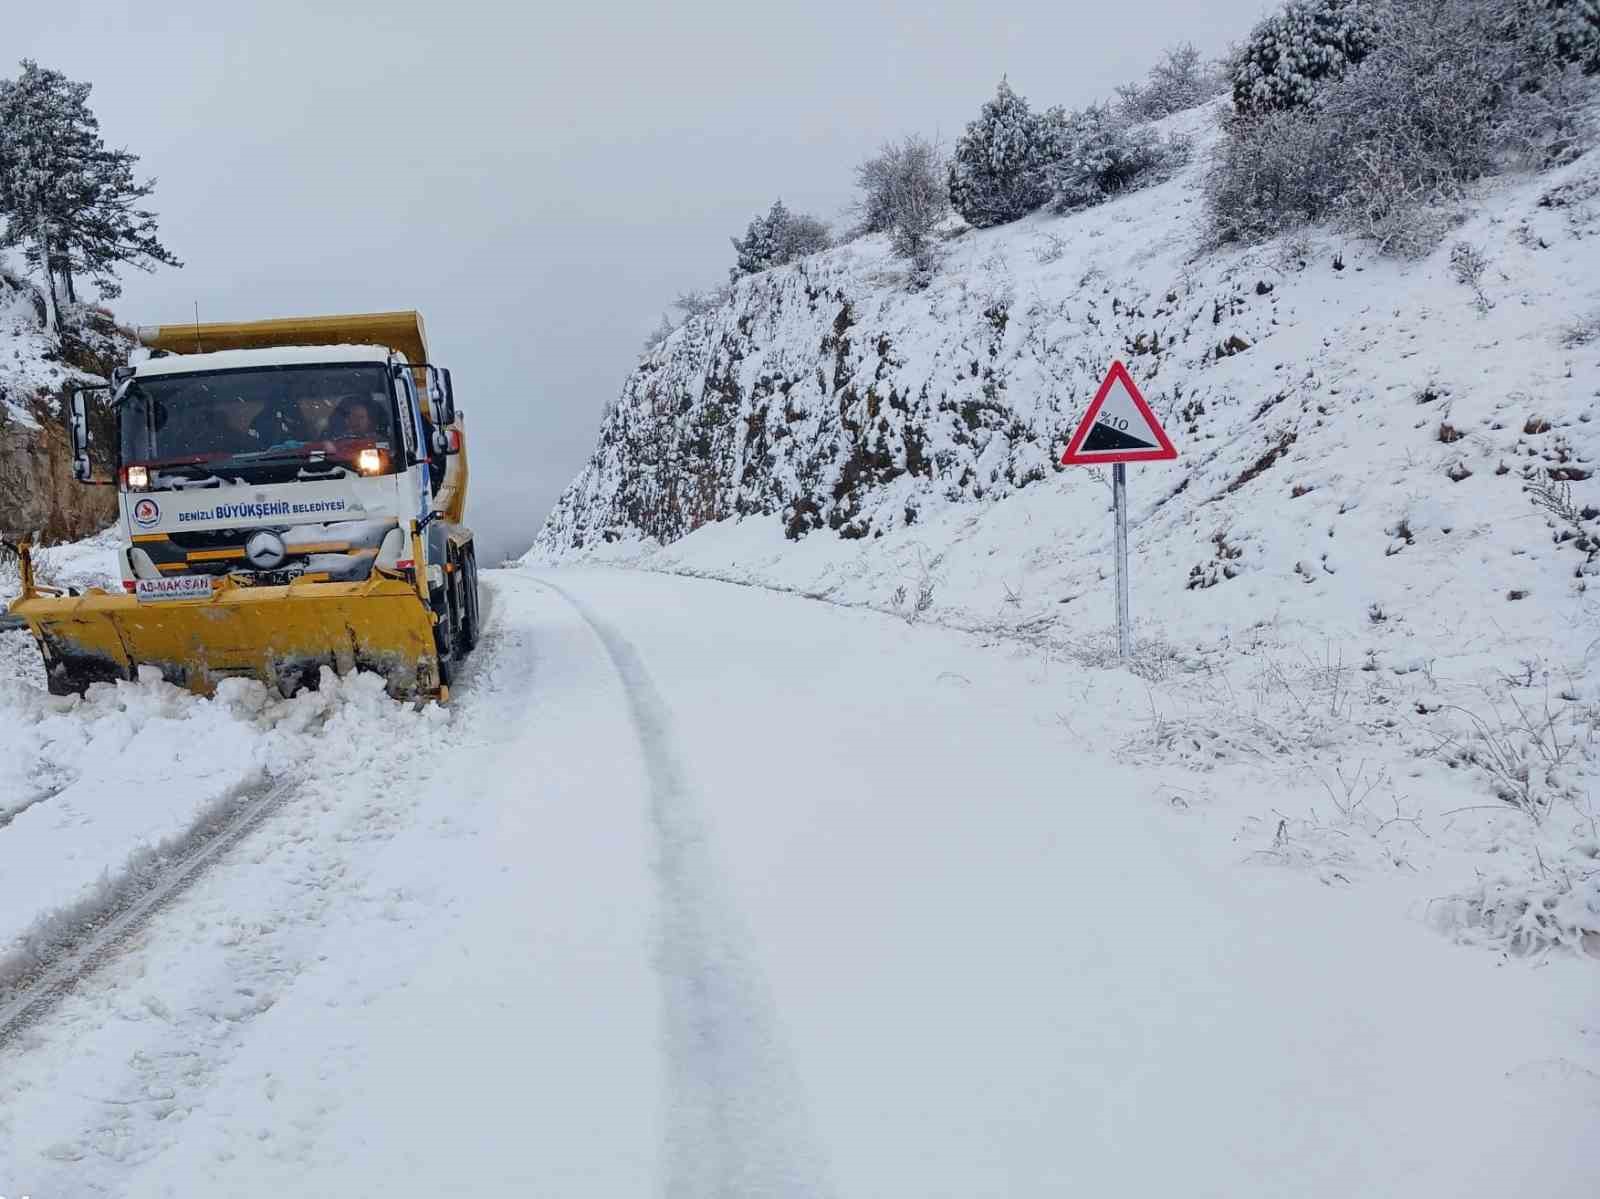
(295, 422)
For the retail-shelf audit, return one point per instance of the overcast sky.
(539, 180)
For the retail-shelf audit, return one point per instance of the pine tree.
(778, 237)
(758, 250)
(1295, 51)
(996, 172)
(1094, 153)
(67, 198)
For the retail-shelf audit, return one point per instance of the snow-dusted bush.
(1454, 90)
(1094, 153)
(698, 303)
(905, 193)
(1539, 907)
(1573, 30)
(997, 170)
(664, 329)
(778, 237)
(1298, 49)
(1181, 80)
(1268, 176)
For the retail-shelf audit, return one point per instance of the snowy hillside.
(1376, 554)
(37, 493)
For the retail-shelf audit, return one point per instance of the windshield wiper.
(268, 458)
(197, 468)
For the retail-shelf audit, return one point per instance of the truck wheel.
(445, 633)
(469, 595)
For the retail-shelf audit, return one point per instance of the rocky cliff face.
(830, 396)
(38, 496)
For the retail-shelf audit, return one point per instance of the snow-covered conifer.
(1095, 153)
(997, 170)
(778, 237)
(1296, 50)
(68, 199)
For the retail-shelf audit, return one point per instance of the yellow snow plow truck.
(291, 495)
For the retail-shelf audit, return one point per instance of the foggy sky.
(539, 183)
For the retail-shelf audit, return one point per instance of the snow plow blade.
(281, 635)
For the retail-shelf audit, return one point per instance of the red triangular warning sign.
(1119, 427)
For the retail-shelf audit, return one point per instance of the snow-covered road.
(701, 890)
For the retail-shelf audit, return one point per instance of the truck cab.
(271, 465)
(291, 496)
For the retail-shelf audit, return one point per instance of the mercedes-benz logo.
(265, 550)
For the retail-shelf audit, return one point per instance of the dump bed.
(398, 330)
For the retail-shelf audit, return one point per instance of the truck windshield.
(234, 417)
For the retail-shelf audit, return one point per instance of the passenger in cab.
(354, 418)
(293, 422)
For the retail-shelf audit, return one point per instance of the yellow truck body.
(391, 620)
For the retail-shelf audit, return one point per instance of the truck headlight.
(138, 478)
(369, 462)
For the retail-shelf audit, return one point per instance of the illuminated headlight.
(138, 478)
(369, 462)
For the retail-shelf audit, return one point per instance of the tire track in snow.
(7, 815)
(735, 1122)
(70, 944)
(59, 954)
(163, 1069)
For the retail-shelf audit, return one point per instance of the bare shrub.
(1270, 175)
(1581, 333)
(905, 193)
(1049, 248)
(1521, 751)
(1349, 790)
(1182, 79)
(698, 303)
(1468, 264)
(663, 330)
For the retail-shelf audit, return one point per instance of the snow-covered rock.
(38, 496)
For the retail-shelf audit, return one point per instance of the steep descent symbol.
(1119, 427)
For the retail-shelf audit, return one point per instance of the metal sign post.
(1119, 428)
(1119, 497)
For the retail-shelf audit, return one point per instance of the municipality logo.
(146, 513)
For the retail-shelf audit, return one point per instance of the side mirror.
(447, 406)
(78, 429)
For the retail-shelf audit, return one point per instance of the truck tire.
(446, 631)
(470, 627)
